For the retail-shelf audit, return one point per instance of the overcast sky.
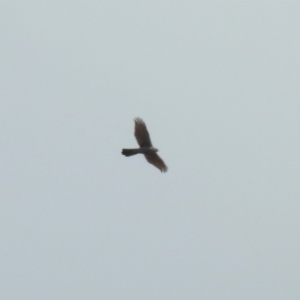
(217, 84)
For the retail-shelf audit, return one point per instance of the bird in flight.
(143, 138)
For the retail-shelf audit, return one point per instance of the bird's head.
(154, 149)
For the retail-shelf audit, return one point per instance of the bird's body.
(143, 138)
(142, 150)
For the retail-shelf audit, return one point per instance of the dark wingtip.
(138, 120)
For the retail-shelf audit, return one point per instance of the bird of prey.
(143, 138)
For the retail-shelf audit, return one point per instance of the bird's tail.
(130, 152)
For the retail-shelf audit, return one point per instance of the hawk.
(143, 138)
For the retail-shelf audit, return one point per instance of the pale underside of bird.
(143, 138)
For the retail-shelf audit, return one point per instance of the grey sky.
(218, 87)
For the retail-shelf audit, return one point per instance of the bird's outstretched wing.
(141, 133)
(156, 161)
